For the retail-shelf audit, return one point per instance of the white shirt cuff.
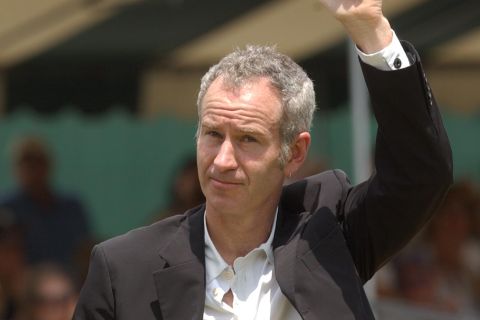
(392, 57)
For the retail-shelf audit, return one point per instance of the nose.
(225, 159)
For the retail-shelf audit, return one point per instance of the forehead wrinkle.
(252, 107)
(248, 122)
(214, 122)
(241, 114)
(258, 89)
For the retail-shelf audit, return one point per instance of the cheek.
(266, 185)
(204, 159)
(200, 160)
(265, 173)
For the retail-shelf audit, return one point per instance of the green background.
(122, 166)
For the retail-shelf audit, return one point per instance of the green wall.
(121, 166)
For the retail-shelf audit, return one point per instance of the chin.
(225, 204)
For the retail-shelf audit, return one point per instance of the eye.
(213, 133)
(248, 138)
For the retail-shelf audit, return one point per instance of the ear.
(298, 153)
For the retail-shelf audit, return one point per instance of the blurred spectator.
(442, 270)
(50, 294)
(185, 191)
(3, 302)
(449, 236)
(81, 259)
(12, 264)
(54, 224)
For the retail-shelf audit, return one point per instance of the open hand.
(364, 22)
(368, 10)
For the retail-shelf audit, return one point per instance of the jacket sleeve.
(413, 167)
(96, 301)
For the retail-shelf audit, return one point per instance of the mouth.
(220, 183)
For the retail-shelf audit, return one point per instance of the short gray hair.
(294, 86)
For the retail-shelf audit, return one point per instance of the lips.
(224, 183)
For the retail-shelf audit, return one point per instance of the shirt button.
(217, 292)
(228, 274)
(397, 63)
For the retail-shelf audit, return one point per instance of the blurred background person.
(12, 264)
(50, 293)
(185, 191)
(81, 259)
(54, 224)
(440, 270)
(2, 303)
(449, 235)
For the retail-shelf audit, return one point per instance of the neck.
(235, 235)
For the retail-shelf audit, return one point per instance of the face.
(55, 300)
(33, 171)
(238, 147)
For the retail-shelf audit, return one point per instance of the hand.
(364, 22)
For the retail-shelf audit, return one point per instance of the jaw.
(241, 205)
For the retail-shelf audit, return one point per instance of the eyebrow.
(242, 129)
(250, 130)
(208, 125)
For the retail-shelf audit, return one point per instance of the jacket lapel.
(183, 274)
(284, 245)
(298, 202)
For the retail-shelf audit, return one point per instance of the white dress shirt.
(392, 57)
(256, 294)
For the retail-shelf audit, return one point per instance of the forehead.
(254, 98)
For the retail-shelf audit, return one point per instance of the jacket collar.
(293, 208)
(183, 273)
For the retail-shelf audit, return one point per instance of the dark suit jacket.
(330, 237)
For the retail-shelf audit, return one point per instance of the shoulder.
(323, 189)
(144, 239)
(69, 200)
(147, 241)
(330, 177)
(11, 198)
(16, 204)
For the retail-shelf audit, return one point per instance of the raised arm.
(413, 168)
(413, 164)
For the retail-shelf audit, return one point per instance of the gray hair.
(291, 81)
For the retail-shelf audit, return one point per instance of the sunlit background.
(109, 88)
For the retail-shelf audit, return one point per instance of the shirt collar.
(215, 264)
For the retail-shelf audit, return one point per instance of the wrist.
(370, 35)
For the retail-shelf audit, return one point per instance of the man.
(54, 224)
(256, 250)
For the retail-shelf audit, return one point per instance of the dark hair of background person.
(185, 191)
